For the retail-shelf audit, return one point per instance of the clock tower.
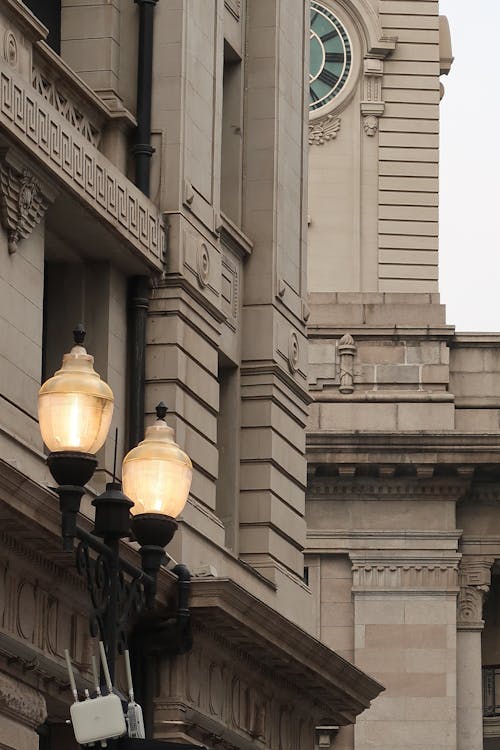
(373, 134)
(388, 409)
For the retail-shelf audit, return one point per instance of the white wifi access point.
(96, 719)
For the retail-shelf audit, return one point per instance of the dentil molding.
(405, 574)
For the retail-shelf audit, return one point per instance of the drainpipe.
(142, 149)
(138, 292)
(138, 305)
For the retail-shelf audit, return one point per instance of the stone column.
(22, 710)
(475, 578)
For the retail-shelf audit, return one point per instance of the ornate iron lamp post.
(75, 411)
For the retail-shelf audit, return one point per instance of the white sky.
(470, 168)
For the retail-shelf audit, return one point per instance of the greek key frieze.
(71, 158)
(58, 99)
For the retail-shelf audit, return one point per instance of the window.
(232, 140)
(228, 426)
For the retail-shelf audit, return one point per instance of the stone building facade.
(219, 235)
(402, 444)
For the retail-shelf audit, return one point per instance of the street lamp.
(75, 408)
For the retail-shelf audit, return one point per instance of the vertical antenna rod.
(71, 675)
(105, 668)
(114, 457)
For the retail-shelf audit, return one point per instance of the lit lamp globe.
(156, 476)
(75, 408)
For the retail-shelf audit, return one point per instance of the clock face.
(330, 57)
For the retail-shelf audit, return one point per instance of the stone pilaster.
(404, 633)
(475, 579)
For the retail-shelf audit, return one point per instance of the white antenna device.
(135, 718)
(96, 719)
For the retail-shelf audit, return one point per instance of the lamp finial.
(79, 334)
(161, 411)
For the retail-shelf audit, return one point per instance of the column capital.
(474, 581)
(21, 702)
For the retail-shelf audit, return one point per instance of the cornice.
(234, 239)
(266, 367)
(245, 620)
(377, 44)
(178, 281)
(328, 541)
(446, 447)
(479, 339)
(29, 23)
(333, 396)
(366, 332)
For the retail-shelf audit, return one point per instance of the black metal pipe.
(111, 613)
(142, 148)
(138, 305)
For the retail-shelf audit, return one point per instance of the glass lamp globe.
(75, 406)
(156, 475)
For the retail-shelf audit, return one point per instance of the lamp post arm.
(115, 599)
(95, 543)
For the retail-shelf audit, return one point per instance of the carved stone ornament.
(202, 265)
(10, 48)
(323, 130)
(306, 311)
(404, 575)
(293, 351)
(475, 580)
(347, 351)
(22, 702)
(372, 106)
(370, 125)
(22, 203)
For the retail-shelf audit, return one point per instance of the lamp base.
(153, 529)
(112, 512)
(69, 502)
(72, 467)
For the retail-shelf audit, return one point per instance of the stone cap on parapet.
(376, 313)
